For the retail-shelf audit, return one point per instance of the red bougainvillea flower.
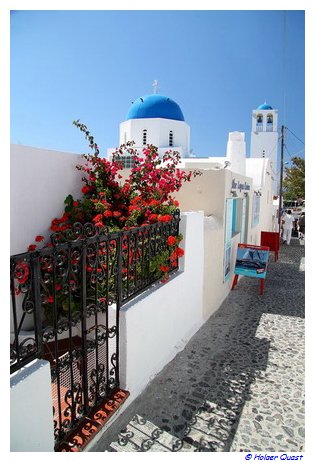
(50, 299)
(31, 247)
(153, 217)
(98, 217)
(75, 203)
(39, 238)
(164, 268)
(85, 189)
(64, 218)
(108, 213)
(116, 214)
(171, 240)
(165, 218)
(22, 272)
(58, 287)
(102, 300)
(154, 203)
(180, 252)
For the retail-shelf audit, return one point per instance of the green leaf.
(68, 199)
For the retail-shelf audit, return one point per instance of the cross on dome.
(155, 86)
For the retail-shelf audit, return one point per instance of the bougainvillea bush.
(144, 198)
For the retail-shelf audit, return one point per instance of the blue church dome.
(153, 107)
(264, 106)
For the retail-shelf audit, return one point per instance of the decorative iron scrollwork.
(70, 285)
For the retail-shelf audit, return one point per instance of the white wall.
(158, 324)
(205, 192)
(236, 152)
(31, 417)
(40, 180)
(261, 172)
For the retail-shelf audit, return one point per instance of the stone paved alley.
(239, 383)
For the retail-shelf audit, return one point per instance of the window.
(126, 161)
(170, 138)
(144, 137)
(237, 216)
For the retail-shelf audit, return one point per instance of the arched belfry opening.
(259, 123)
(269, 123)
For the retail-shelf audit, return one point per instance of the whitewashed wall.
(158, 324)
(40, 180)
(157, 132)
(31, 417)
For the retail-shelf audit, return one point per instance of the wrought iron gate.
(72, 291)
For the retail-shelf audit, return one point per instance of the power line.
(295, 136)
(293, 155)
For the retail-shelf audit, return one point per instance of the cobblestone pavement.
(239, 383)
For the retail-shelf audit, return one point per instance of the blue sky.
(90, 65)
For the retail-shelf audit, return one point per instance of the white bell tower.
(264, 136)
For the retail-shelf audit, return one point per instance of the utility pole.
(281, 176)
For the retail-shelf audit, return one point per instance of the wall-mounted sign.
(251, 260)
(237, 185)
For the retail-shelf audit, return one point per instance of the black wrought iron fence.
(65, 308)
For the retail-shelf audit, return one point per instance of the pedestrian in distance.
(287, 222)
(301, 225)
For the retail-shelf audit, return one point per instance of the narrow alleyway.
(239, 383)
